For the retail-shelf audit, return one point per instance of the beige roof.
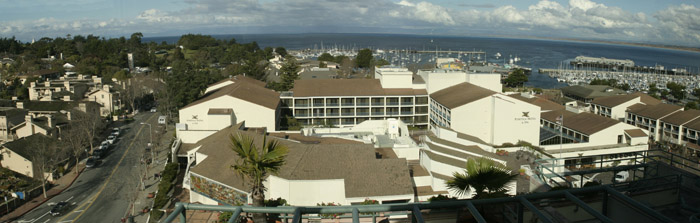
(615, 100)
(543, 103)
(245, 89)
(695, 124)
(680, 118)
(585, 123)
(364, 175)
(460, 94)
(634, 133)
(240, 78)
(655, 111)
(348, 87)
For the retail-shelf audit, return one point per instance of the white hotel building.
(394, 93)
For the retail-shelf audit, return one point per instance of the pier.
(638, 81)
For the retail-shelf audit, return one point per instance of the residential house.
(18, 156)
(615, 106)
(106, 97)
(9, 118)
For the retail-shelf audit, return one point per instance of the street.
(104, 193)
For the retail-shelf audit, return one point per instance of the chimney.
(33, 84)
(20, 105)
(50, 118)
(82, 107)
(47, 84)
(105, 88)
(28, 118)
(66, 98)
(67, 85)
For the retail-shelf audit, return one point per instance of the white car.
(622, 176)
(153, 110)
(111, 139)
(104, 145)
(115, 134)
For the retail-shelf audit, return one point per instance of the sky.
(668, 22)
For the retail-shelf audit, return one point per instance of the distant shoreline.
(682, 48)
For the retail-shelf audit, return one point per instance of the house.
(45, 125)
(544, 104)
(226, 103)
(615, 106)
(18, 156)
(674, 128)
(42, 108)
(648, 117)
(106, 98)
(39, 74)
(500, 119)
(313, 173)
(9, 118)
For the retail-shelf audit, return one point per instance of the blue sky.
(674, 22)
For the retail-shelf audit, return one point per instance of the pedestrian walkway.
(61, 184)
(143, 202)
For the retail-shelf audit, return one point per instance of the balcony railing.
(691, 136)
(362, 113)
(349, 104)
(406, 113)
(362, 103)
(331, 104)
(332, 114)
(318, 104)
(301, 115)
(392, 113)
(407, 103)
(348, 122)
(301, 105)
(348, 114)
(392, 103)
(378, 113)
(377, 103)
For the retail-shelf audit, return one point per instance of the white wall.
(193, 136)
(474, 119)
(609, 135)
(29, 129)
(306, 192)
(395, 78)
(17, 163)
(515, 120)
(618, 112)
(491, 81)
(253, 114)
(437, 81)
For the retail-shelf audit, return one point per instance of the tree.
(691, 105)
(696, 92)
(326, 57)
(90, 124)
(484, 177)
(74, 139)
(289, 73)
(322, 64)
(677, 90)
(255, 163)
(281, 51)
(45, 154)
(516, 78)
(346, 67)
(381, 62)
(364, 58)
(653, 90)
(255, 68)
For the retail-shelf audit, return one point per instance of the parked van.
(161, 119)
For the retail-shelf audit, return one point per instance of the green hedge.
(166, 183)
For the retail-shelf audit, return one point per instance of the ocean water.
(533, 53)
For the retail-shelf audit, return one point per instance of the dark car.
(59, 208)
(98, 153)
(91, 162)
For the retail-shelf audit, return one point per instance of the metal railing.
(414, 211)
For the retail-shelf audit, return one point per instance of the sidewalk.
(61, 184)
(157, 166)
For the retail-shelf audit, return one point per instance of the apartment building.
(394, 93)
(674, 128)
(648, 116)
(615, 106)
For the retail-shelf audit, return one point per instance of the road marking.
(71, 197)
(47, 220)
(92, 200)
(78, 211)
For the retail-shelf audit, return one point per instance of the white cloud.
(575, 18)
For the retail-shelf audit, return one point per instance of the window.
(103, 96)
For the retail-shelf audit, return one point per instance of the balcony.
(691, 136)
(332, 114)
(407, 103)
(348, 122)
(348, 114)
(330, 104)
(362, 113)
(392, 113)
(318, 105)
(392, 103)
(348, 104)
(406, 113)
(301, 115)
(377, 113)
(362, 103)
(301, 105)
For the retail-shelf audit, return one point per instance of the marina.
(638, 81)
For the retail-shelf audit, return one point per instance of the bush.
(164, 187)
(334, 215)
(441, 198)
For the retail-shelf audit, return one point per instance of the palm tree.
(483, 176)
(256, 163)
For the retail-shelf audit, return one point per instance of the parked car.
(98, 153)
(622, 176)
(111, 139)
(91, 162)
(115, 132)
(153, 110)
(59, 208)
(104, 145)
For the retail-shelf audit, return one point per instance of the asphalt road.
(103, 193)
